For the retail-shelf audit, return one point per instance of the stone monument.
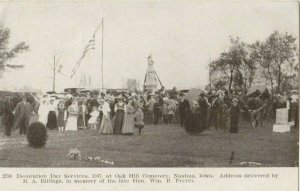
(151, 78)
(282, 124)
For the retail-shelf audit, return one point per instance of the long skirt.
(106, 126)
(60, 119)
(43, 117)
(193, 124)
(99, 120)
(71, 123)
(118, 122)
(80, 121)
(52, 122)
(128, 126)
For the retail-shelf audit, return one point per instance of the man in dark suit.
(203, 104)
(8, 116)
(184, 107)
(22, 114)
(157, 110)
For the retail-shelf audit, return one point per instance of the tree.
(262, 57)
(55, 68)
(276, 57)
(290, 77)
(235, 65)
(7, 54)
(220, 84)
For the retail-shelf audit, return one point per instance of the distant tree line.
(272, 61)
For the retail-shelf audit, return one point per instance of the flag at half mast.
(90, 46)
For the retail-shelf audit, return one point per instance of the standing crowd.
(122, 113)
(106, 113)
(219, 109)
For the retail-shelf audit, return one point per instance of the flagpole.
(102, 53)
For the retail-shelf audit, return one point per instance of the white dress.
(72, 118)
(106, 125)
(94, 115)
(43, 113)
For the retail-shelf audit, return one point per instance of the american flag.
(88, 47)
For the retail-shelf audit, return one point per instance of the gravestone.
(282, 124)
(282, 116)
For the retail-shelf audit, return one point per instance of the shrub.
(37, 135)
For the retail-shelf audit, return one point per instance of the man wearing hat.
(184, 107)
(203, 104)
(157, 114)
(234, 115)
(22, 114)
(150, 106)
(8, 116)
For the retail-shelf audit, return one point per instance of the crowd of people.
(122, 113)
(219, 109)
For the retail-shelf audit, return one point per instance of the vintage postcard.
(149, 95)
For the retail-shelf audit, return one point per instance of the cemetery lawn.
(158, 146)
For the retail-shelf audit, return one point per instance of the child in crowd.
(92, 123)
(61, 116)
(165, 113)
(139, 119)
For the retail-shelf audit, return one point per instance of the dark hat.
(202, 94)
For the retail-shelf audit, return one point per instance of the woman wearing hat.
(52, 120)
(101, 103)
(43, 111)
(106, 127)
(128, 126)
(72, 117)
(184, 107)
(119, 117)
(192, 122)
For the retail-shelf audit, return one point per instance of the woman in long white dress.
(43, 111)
(72, 117)
(106, 126)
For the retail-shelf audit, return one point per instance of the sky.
(182, 38)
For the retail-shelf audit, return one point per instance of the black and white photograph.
(93, 84)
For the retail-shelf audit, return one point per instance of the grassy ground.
(158, 146)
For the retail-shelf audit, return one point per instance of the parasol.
(193, 95)
(253, 89)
